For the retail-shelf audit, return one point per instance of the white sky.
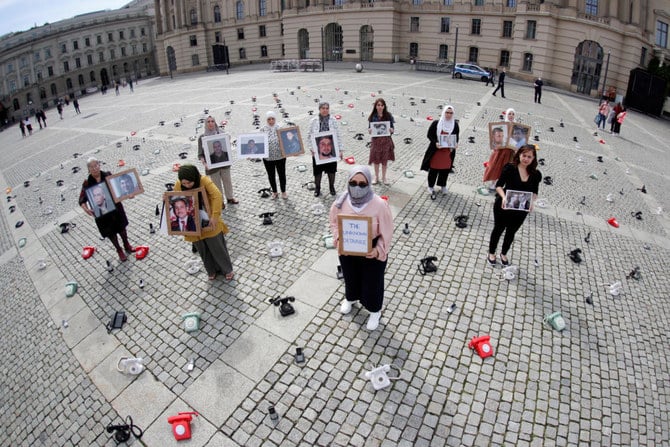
(21, 15)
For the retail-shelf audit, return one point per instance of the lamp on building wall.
(607, 67)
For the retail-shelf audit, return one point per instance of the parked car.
(470, 71)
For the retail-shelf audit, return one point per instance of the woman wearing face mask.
(211, 244)
(364, 275)
(275, 161)
(439, 157)
(324, 123)
(220, 176)
(499, 157)
(520, 175)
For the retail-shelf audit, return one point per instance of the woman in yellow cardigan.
(211, 243)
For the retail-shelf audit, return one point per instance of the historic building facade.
(573, 44)
(70, 57)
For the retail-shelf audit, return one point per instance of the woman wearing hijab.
(519, 175)
(439, 157)
(211, 243)
(220, 176)
(324, 123)
(499, 157)
(364, 275)
(381, 148)
(110, 223)
(275, 161)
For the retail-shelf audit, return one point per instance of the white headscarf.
(507, 114)
(446, 125)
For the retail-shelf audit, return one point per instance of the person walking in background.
(130, 84)
(43, 114)
(381, 148)
(38, 117)
(364, 275)
(618, 120)
(490, 79)
(439, 157)
(220, 176)
(520, 175)
(538, 90)
(29, 126)
(211, 243)
(618, 108)
(274, 161)
(22, 126)
(603, 113)
(109, 224)
(501, 83)
(324, 122)
(59, 107)
(75, 104)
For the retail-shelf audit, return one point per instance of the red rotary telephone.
(482, 345)
(181, 425)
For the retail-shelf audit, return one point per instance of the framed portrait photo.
(518, 200)
(184, 214)
(355, 234)
(100, 199)
(381, 129)
(498, 135)
(324, 145)
(518, 135)
(448, 141)
(253, 145)
(290, 141)
(124, 185)
(217, 150)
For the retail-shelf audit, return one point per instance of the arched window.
(29, 98)
(239, 9)
(243, 53)
(194, 17)
(92, 76)
(54, 90)
(262, 7)
(16, 105)
(303, 43)
(125, 67)
(68, 83)
(217, 14)
(43, 93)
(81, 79)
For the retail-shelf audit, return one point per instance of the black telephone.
(426, 265)
(265, 192)
(461, 221)
(118, 320)
(284, 304)
(267, 219)
(574, 255)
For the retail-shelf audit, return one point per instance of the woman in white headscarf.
(364, 274)
(221, 176)
(275, 161)
(439, 157)
(500, 156)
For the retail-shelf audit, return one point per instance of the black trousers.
(439, 175)
(364, 281)
(507, 221)
(538, 95)
(501, 87)
(280, 167)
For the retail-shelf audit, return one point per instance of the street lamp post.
(453, 72)
(607, 67)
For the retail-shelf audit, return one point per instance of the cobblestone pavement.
(602, 381)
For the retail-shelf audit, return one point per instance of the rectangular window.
(121, 35)
(591, 7)
(416, 2)
(110, 37)
(243, 53)
(50, 71)
(66, 66)
(479, 2)
(444, 52)
(144, 48)
(26, 81)
(75, 45)
(112, 54)
(217, 36)
(142, 32)
(195, 60)
(414, 50)
(473, 55)
(63, 48)
(36, 56)
(89, 59)
(504, 58)
(23, 63)
(448, 2)
(10, 68)
(264, 51)
(77, 62)
(476, 27)
(98, 40)
(444, 24)
(261, 31)
(511, 3)
(414, 24)
(531, 26)
(643, 57)
(262, 8)
(87, 41)
(134, 48)
(194, 40)
(283, 50)
(507, 28)
(123, 51)
(661, 34)
(132, 33)
(47, 53)
(240, 34)
(281, 30)
(101, 57)
(39, 75)
(527, 62)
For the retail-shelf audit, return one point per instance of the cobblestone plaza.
(603, 381)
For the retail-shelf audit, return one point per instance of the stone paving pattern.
(603, 381)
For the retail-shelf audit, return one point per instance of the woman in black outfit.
(520, 175)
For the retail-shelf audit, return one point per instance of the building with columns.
(572, 44)
(71, 57)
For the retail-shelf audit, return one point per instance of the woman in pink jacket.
(364, 275)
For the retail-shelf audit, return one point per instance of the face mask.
(357, 192)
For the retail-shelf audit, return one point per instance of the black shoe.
(493, 94)
(504, 262)
(503, 97)
(194, 249)
(317, 193)
(333, 192)
(433, 196)
(491, 261)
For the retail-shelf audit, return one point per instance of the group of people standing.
(612, 115)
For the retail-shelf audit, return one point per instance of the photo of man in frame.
(290, 142)
(100, 199)
(252, 148)
(217, 154)
(380, 129)
(519, 136)
(498, 136)
(326, 147)
(181, 214)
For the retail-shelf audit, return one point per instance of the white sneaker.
(445, 190)
(373, 321)
(430, 190)
(345, 308)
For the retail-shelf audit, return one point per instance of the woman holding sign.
(439, 157)
(362, 227)
(520, 176)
